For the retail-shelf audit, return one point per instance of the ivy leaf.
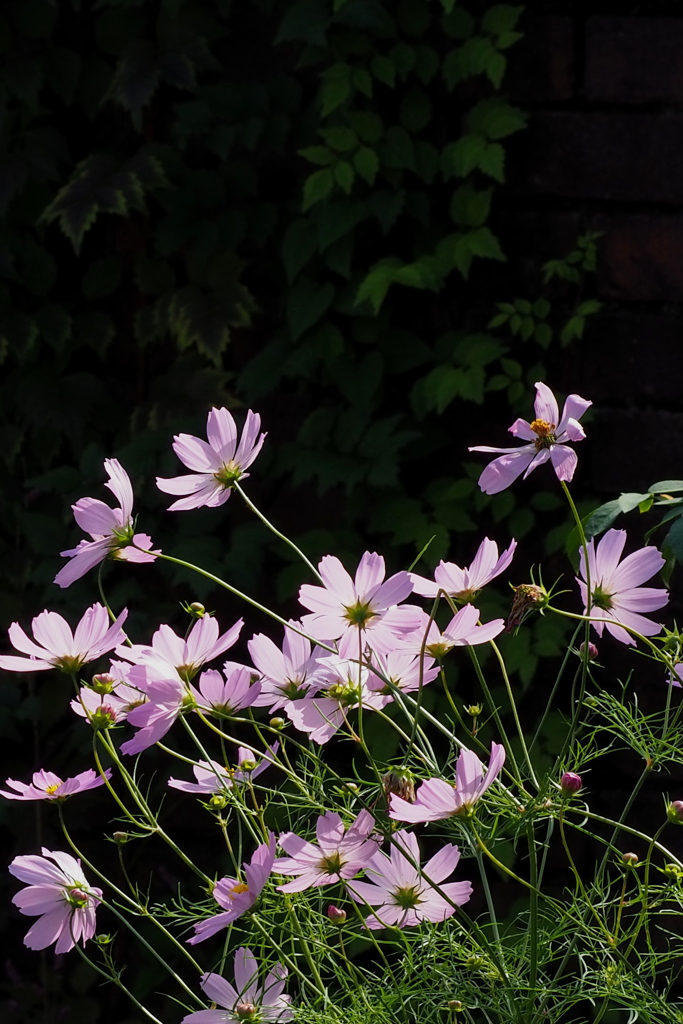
(377, 282)
(366, 163)
(136, 78)
(495, 119)
(462, 157)
(469, 207)
(383, 70)
(340, 139)
(362, 81)
(386, 206)
(307, 20)
(335, 88)
(320, 155)
(492, 161)
(397, 151)
(367, 126)
(344, 175)
(501, 18)
(336, 219)
(307, 303)
(317, 187)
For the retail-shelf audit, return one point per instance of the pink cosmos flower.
(367, 603)
(401, 669)
(321, 712)
(237, 897)
(171, 655)
(61, 895)
(338, 854)
(461, 631)
(548, 435)
(400, 890)
(285, 674)
(48, 786)
(464, 584)
(60, 648)
(617, 599)
(436, 799)
(212, 777)
(109, 698)
(112, 529)
(247, 1000)
(215, 466)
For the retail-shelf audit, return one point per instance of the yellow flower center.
(545, 432)
(239, 888)
(53, 788)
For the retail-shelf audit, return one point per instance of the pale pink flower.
(110, 697)
(339, 854)
(461, 631)
(112, 530)
(368, 603)
(402, 670)
(285, 674)
(247, 1000)
(617, 599)
(322, 711)
(48, 786)
(399, 888)
(464, 584)
(59, 647)
(170, 654)
(215, 466)
(436, 799)
(548, 435)
(61, 895)
(213, 777)
(237, 897)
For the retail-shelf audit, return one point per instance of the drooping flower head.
(548, 435)
(238, 897)
(60, 895)
(60, 648)
(339, 853)
(247, 1000)
(366, 605)
(617, 599)
(465, 584)
(214, 778)
(462, 631)
(48, 786)
(215, 466)
(436, 799)
(112, 530)
(399, 889)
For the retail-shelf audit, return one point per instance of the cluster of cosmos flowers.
(360, 641)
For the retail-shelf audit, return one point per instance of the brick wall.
(604, 152)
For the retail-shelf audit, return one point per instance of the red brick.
(614, 156)
(634, 59)
(632, 359)
(641, 257)
(541, 65)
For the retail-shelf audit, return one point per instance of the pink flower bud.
(336, 915)
(629, 860)
(570, 783)
(592, 651)
(674, 811)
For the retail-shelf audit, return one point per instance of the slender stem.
(114, 977)
(281, 536)
(496, 716)
(513, 706)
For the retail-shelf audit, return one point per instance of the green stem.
(513, 706)
(496, 717)
(281, 536)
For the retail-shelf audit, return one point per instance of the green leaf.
(477, 56)
(543, 334)
(469, 207)
(492, 161)
(403, 59)
(362, 81)
(340, 139)
(673, 542)
(298, 247)
(397, 150)
(666, 487)
(420, 274)
(336, 219)
(320, 155)
(462, 157)
(136, 78)
(495, 119)
(367, 126)
(377, 282)
(383, 70)
(95, 330)
(102, 278)
(413, 18)
(307, 303)
(458, 23)
(307, 20)
(482, 242)
(573, 329)
(415, 111)
(317, 187)
(366, 163)
(344, 175)
(588, 307)
(426, 63)
(335, 88)
(501, 18)
(541, 308)
(54, 324)
(387, 206)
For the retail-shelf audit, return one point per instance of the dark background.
(161, 252)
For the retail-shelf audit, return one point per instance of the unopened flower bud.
(218, 801)
(570, 783)
(103, 940)
(528, 597)
(674, 811)
(248, 764)
(197, 609)
(277, 723)
(120, 838)
(672, 871)
(401, 783)
(102, 682)
(336, 914)
(103, 717)
(245, 1010)
(455, 1005)
(592, 650)
(474, 710)
(353, 786)
(629, 860)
